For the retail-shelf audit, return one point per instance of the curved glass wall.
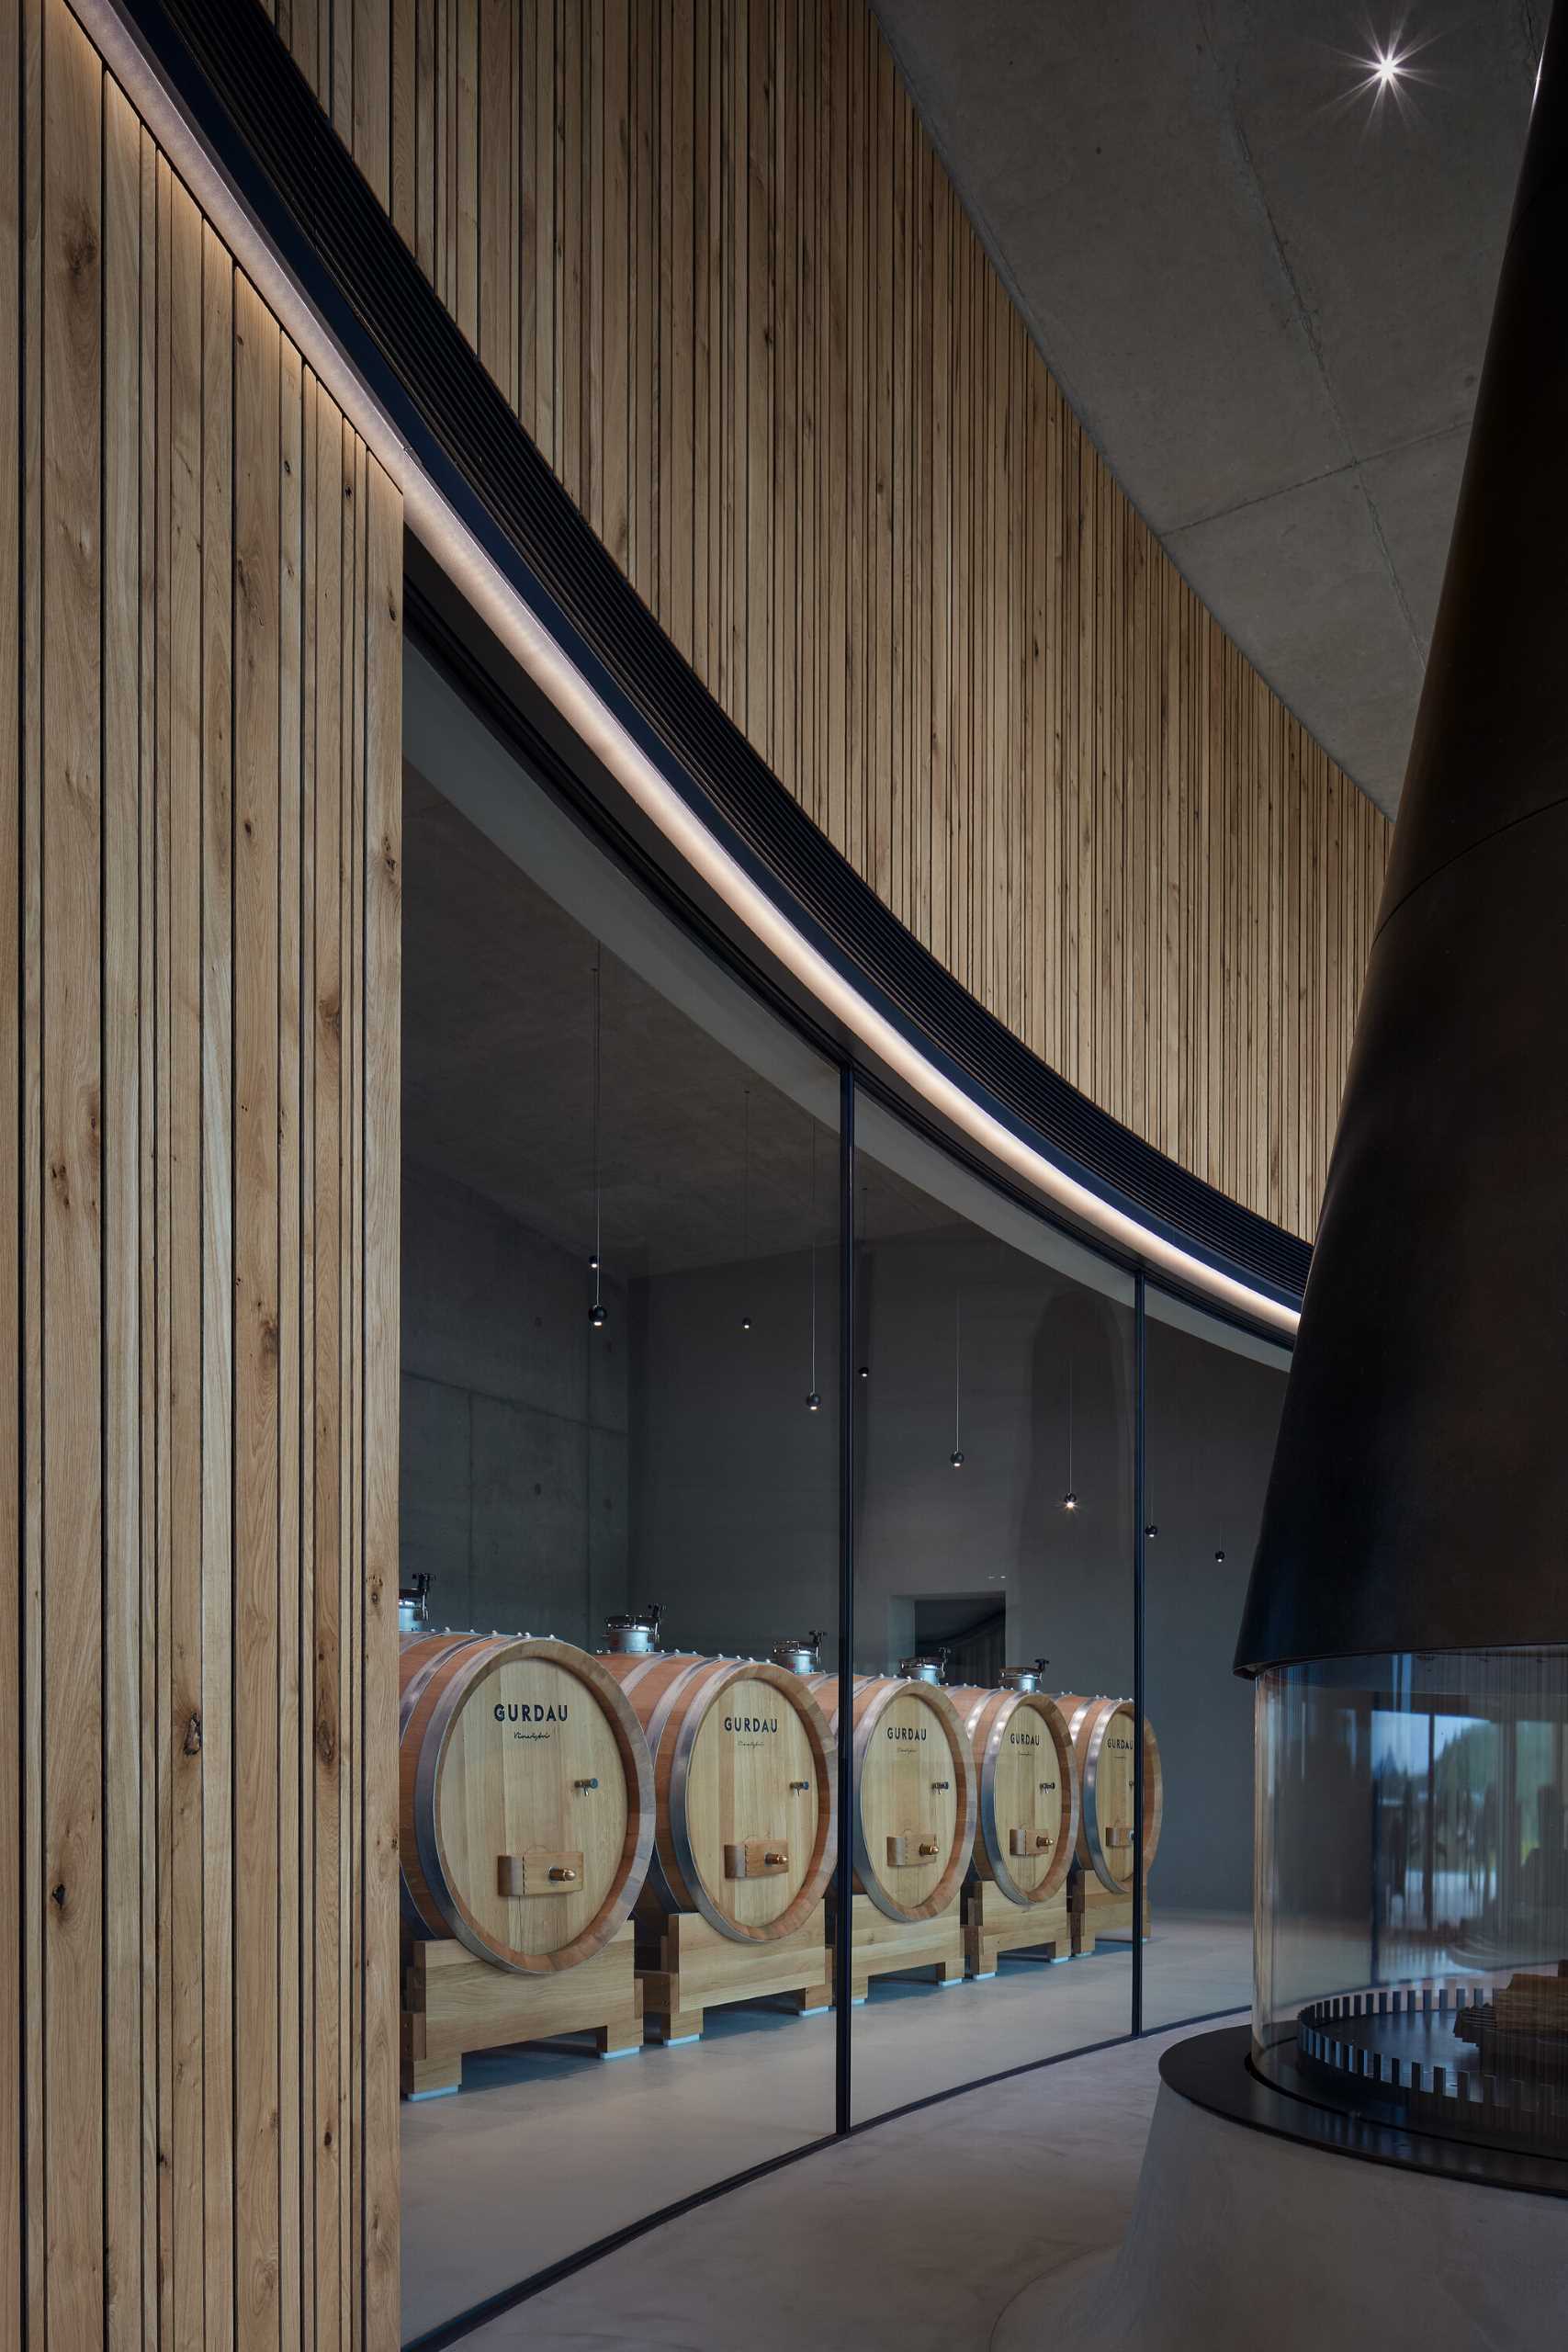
(620, 1403)
(1412, 1890)
(1213, 1398)
(644, 1488)
(995, 1405)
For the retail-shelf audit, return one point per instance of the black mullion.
(1140, 1553)
(843, 1877)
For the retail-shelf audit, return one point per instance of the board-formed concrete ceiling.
(1266, 298)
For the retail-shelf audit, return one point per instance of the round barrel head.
(1029, 1798)
(754, 1800)
(911, 1795)
(1114, 1815)
(530, 1806)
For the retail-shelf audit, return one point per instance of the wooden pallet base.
(687, 1967)
(884, 1947)
(993, 1924)
(1101, 1914)
(454, 2003)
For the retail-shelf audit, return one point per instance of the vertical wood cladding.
(706, 251)
(201, 662)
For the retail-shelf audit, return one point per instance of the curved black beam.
(1419, 1495)
(240, 88)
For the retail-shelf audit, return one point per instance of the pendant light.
(813, 1399)
(956, 1457)
(1070, 1499)
(596, 1310)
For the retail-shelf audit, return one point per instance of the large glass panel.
(1213, 1398)
(994, 1397)
(620, 1439)
(1413, 1889)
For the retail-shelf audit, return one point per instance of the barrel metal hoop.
(1035, 1703)
(671, 1888)
(408, 1701)
(428, 1780)
(963, 1770)
(432, 1749)
(1108, 1711)
(694, 1714)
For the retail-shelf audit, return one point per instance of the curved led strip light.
(518, 627)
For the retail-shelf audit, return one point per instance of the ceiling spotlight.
(1151, 1531)
(597, 1315)
(1069, 1500)
(1221, 1553)
(593, 1264)
(956, 1459)
(745, 1322)
(1388, 72)
(865, 1372)
(813, 1403)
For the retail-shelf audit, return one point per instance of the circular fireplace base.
(1244, 2235)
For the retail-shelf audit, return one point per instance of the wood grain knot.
(57, 1895)
(82, 250)
(192, 1742)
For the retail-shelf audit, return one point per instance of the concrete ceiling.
(498, 1062)
(1267, 301)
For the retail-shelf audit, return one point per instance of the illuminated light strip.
(519, 629)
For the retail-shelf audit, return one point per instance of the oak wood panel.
(706, 249)
(200, 660)
(13, 1381)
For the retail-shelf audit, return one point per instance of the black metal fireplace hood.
(1420, 1493)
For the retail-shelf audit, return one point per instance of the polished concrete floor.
(548, 2149)
(914, 2238)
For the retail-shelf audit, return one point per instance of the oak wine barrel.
(745, 1791)
(914, 1780)
(1102, 1731)
(526, 1798)
(1027, 1817)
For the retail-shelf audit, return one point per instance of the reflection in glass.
(1413, 1889)
(1212, 1399)
(997, 1366)
(619, 1491)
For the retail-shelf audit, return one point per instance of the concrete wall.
(1213, 1417)
(734, 1493)
(734, 1483)
(551, 1474)
(514, 1448)
(993, 1529)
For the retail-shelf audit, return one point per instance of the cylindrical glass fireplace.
(1411, 1893)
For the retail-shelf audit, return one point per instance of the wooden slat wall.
(706, 249)
(200, 659)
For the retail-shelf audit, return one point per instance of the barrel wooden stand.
(1098, 1914)
(1026, 1825)
(686, 1967)
(992, 1924)
(882, 1947)
(1111, 1845)
(912, 1828)
(454, 2003)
